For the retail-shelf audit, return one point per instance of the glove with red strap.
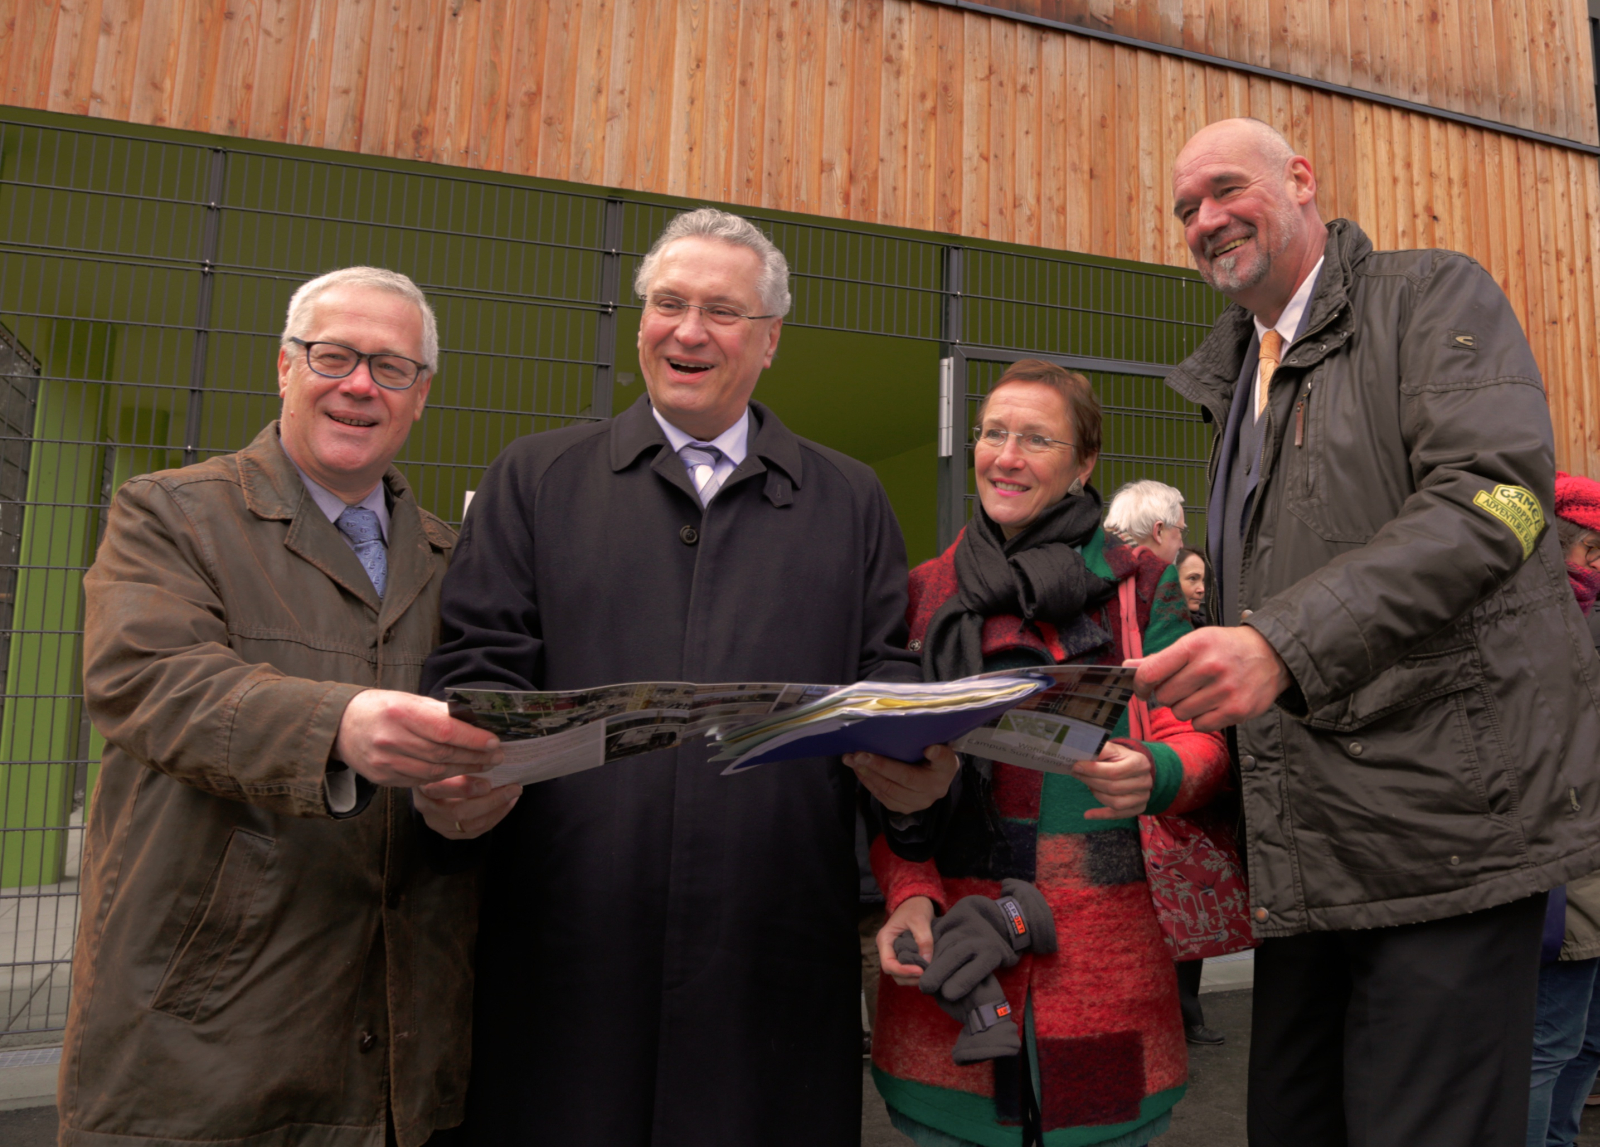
(977, 936)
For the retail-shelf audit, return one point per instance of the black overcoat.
(669, 956)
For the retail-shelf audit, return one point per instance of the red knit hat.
(1578, 500)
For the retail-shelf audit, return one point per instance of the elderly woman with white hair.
(1149, 514)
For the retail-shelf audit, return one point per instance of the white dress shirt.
(1287, 324)
(734, 442)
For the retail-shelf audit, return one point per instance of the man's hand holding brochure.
(1044, 718)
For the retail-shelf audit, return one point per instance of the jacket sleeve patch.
(1518, 509)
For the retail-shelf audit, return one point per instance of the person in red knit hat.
(1578, 530)
(1035, 579)
(1566, 1034)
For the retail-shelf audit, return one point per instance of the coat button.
(368, 1042)
(1244, 614)
(1455, 860)
(1247, 762)
(1356, 748)
(1262, 914)
(689, 535)
(916, 645)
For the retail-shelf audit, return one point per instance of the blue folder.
(900, 736)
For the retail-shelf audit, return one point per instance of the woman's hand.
(1120, 779)
(916, 914)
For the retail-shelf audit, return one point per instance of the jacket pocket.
(1412, 680)
(211, 952)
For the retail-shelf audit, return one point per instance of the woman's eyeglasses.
(995, 439)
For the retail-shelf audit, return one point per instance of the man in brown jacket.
(264, 957)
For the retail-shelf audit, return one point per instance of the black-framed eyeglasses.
(673, 308)
(995, 439)
(335, 360)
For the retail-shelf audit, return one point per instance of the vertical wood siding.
(1522, 62)
(905, 113)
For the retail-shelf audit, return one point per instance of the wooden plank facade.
(907, 112)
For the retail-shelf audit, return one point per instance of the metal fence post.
(952, 404)
(605, 353)
(210, 240)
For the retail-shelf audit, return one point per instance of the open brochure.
(548, 735)
(1045, 718)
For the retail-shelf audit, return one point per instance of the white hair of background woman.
(709, 223)
(1138, 506)
(298, 324)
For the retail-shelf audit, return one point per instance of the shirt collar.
(1288, 324)
(332, 505)
(734, 442)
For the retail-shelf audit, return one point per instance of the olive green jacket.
(249, 968)
(1436, 754)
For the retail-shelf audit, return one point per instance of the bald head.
(1248, 207)
(1244, 135)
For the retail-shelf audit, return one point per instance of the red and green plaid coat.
(1104, 1031)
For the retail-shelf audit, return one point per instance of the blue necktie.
(700, 459)
(360, 526)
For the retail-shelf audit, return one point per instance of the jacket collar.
(273, 490)
(635, 431)
(1210, 374)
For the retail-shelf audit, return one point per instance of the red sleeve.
(1204, 757)
(903, 879)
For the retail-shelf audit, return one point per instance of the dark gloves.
(970, 941)
(989, 1030)
(979, 935)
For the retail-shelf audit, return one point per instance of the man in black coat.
(667, 955)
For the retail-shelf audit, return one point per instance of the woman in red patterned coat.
(1034, 579)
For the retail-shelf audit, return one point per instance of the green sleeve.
(1168, 778)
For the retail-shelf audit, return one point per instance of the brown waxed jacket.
(248, 968)
(1437, 754)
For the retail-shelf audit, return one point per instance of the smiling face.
(1248, 209)
(1014, 485)
(701, 374)
(344, 432)
(1192, 580)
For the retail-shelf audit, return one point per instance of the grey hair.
(1138, 506)
(723, 226)
(1568, 532)
(297, 324)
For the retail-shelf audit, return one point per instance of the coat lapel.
(411, 564)
(273, 490)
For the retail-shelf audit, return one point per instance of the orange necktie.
(1271, 351)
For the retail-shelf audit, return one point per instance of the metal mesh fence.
(143, 285)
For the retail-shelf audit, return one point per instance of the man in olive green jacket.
(263, 956)
(1416, 701)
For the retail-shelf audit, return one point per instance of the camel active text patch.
(1517, 508)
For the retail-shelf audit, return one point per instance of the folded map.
(1044, 717)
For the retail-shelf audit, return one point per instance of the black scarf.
(1037, 575)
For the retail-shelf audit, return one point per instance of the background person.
(263, 957)
(1566, 1034)
(668, 955)
(1150, 514)
(1192, 570)
(1033, 579)
(1416, 769)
